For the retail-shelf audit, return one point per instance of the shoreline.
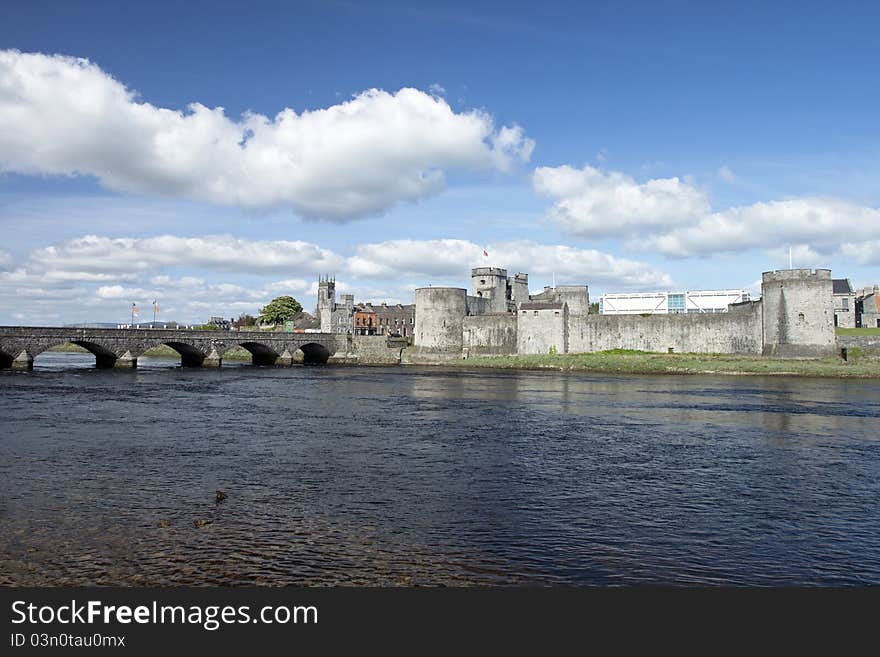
(858, 366)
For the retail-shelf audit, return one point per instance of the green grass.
(857, 331)
(634, 362)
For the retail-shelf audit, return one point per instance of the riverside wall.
(732, 333)
(489, 335)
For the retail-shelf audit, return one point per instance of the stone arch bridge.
(19, 345)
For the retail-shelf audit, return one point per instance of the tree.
(280, 309)
(244, 320)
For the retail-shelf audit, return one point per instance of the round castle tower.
(440, 313)
(798, 313)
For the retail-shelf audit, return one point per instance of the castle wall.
(489, 335)
(868, 343)
(374, 350)
(541, 329)
(440, 313)
(478, 305)
(576, 296)
(798, 313)
(734, 333)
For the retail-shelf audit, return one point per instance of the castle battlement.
(796, 274)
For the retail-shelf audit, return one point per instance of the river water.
(402, 476)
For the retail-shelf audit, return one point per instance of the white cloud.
(398, 258)
(575, 265)
(443, 259)
(726, 174)
(801, 255)
(65, 116)
(673, 217)
(214, 252)
(592, 203)
(822, 224)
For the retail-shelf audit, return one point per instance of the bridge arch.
(6, 360)
(190, 355)
(314, 353)
(104, 358)
(261, 354)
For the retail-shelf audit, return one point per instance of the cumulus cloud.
(589, 202)
(673, 217)
(396, 258)
(453, 258)
(93, 255)
(801, 255)
(823, 224)
(65, 116)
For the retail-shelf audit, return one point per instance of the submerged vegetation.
(623, 361)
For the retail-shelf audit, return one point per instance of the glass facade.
(675, 303)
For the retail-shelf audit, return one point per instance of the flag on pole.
(485, 254)
(155, 306)
(135, 310)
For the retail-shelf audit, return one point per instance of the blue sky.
(632, 146)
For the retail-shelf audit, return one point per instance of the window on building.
(845, 301)
(800, 317)
(676, 303)
(536, 313)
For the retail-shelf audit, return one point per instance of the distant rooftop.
(842, 286)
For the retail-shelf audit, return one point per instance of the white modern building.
(664, 303)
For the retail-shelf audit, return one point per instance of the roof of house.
(395, 309)
(306, 320)
(842, 286)
(540, 305)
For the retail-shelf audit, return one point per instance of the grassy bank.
(162, 351)
(639, 362)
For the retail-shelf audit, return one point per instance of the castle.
(794, 319)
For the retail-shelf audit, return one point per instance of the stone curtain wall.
(733, 333)
(540, 331)
(372, 350)
(485, 335)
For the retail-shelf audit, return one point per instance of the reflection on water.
(430, 476)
